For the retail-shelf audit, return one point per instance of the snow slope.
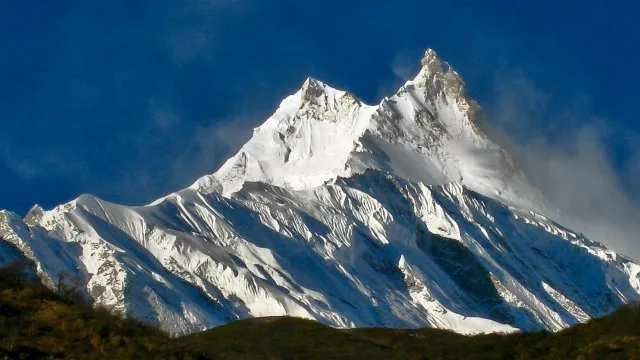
(426, 132)
(402, 214)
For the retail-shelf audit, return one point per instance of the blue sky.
(129, 100)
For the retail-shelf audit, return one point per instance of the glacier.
(401, 214)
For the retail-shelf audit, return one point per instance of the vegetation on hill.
(37, 323)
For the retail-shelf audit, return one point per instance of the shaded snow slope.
(402, 214)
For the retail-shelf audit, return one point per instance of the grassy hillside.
(36, 323)
(614, 337)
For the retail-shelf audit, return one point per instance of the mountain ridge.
(320, 133)
(403, 214)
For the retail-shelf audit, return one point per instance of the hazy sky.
(129, 100)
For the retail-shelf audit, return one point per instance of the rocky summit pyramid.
(401, 214)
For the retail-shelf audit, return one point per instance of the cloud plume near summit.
(563, 153)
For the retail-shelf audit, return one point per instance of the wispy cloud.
(186, 46)
(209, 145)
(404, 66)
(30, 164)
(565, 154)
(20, 165)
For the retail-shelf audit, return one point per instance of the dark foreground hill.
(36, 323)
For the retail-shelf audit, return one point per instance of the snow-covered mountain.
(403, 214)
(428, 132)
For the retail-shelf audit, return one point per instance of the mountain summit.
(306, 142)
(402, 214)
(426, 132)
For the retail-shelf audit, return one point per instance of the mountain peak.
(430, 56)
(434, 67)
(34, 215)
(425, 132)
(312, 81)
(306, 142)
(439, 80)
(434, 64)
(313, 90)
(316, 93)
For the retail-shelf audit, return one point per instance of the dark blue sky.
(130, 100)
